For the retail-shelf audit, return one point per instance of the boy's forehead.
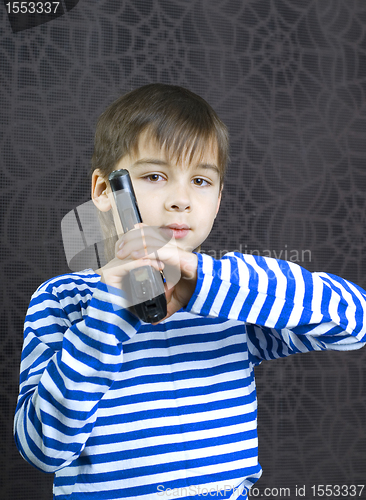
(148, 146)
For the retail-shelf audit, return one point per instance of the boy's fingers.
(116, 270)
(166, 257)
(147, 240)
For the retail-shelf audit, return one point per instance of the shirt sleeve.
(68, 363)
(287, 309)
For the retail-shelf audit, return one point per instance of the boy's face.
(184, 196)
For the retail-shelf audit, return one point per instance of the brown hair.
(178, 119)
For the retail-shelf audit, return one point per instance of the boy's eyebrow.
(155, 161)
(209, 166)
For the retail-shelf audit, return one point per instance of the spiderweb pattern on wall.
(289, 79)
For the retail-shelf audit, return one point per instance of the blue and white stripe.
(121, 409)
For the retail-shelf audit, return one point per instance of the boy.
(118, 408)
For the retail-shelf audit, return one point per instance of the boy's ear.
(99, 192)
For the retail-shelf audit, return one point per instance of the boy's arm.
(65, 370)
(304, 310)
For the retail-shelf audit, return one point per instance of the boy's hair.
(181, 121)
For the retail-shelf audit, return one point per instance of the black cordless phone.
(146, 283)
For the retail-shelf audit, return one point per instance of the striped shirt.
(120, 409)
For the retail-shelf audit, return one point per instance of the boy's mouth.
(179, 230)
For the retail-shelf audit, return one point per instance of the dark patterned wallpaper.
(289, 79)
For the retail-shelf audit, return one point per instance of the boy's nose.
(178, 201)
(180, 207)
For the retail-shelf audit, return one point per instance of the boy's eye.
(199, 181)
(152, 177)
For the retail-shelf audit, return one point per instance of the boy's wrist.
(189, 265)
(196, 262)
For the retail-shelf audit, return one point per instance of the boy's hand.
(116, 271)
(178, 294)
(149, 245)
